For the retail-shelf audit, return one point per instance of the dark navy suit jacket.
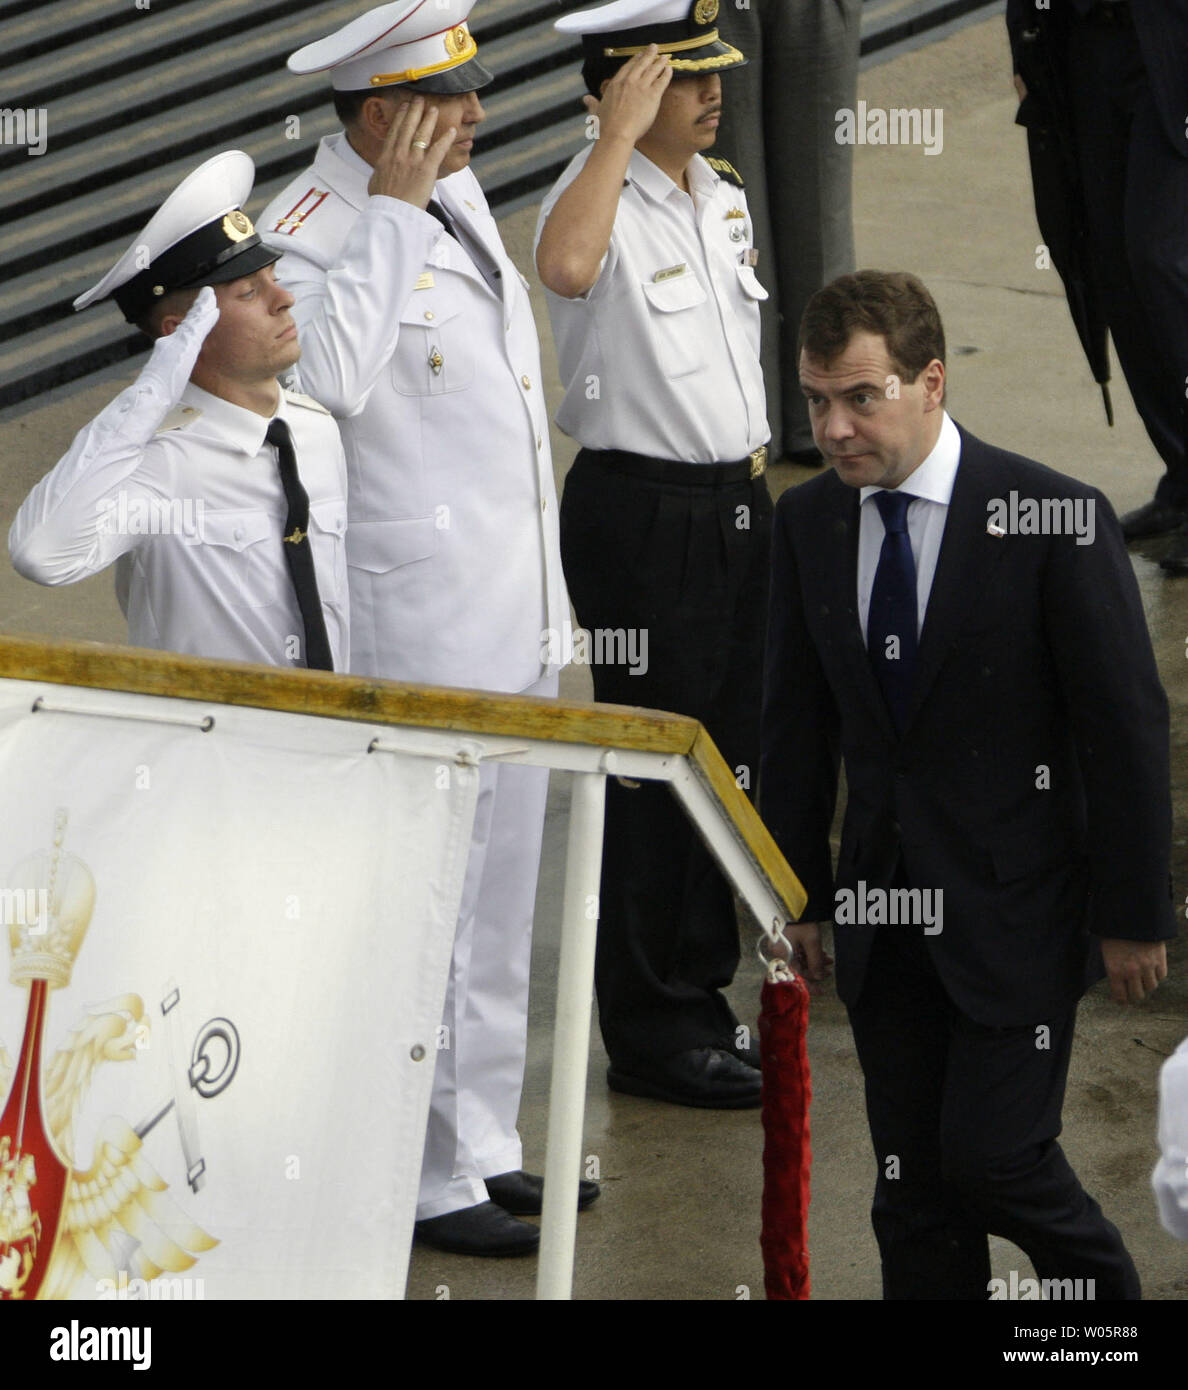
(1031, 782)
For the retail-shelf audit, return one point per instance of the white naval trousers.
(480, 1073)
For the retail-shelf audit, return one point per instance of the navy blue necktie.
(891, 622)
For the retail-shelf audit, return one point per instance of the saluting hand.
(174, 353)
(631, 99)
(409, 163)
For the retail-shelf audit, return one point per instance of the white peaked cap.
(411, 41)
(198, 236)
(624, 14)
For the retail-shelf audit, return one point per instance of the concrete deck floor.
(679, 1215)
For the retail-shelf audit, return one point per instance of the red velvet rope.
(787, 1155)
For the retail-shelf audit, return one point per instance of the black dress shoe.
(1153, 518)
(748, 1054)
(1176, 559)
(522, 1194)
(710, 1078)
(482, 1230)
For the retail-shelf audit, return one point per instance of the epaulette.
(296, 398)
(724, 169)
(181, 417)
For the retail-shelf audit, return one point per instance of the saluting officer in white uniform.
(221, 498)
(417, 333)
(645, 248)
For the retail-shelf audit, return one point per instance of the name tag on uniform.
(670, 274)
(425, 281)
(750, 257)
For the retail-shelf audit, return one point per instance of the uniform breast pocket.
(676, 325)
(242, 553)
(433, 354)
(380, 547)
(327, 533)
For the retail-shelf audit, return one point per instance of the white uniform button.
(429, 314)
(239, 533)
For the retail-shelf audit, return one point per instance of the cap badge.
(458, 41)
(705, 11)
(237, 226)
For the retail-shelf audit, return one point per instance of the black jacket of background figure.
(1035, 667)
(1161, 27)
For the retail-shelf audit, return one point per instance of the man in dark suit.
(963, 627)
(1118, 71)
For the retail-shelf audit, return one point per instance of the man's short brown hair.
(892, 303)
(178, 302)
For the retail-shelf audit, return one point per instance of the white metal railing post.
(571, 1037)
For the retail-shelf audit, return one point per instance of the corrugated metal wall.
(133, 94)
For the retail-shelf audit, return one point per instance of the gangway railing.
(591, 741)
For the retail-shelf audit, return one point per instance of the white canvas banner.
(227, 956)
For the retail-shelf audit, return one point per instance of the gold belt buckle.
(759, 461)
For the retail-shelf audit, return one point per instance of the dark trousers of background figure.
(778, 130)
(964, 1120)
(1136, 191)
(688, 565)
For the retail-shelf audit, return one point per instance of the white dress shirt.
(194, 521)
(931, 485)
(434, 375)
(661, 356)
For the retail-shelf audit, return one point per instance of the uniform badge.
(705, 11)
(436, 362)
(425, 281)
(237, 226)
(670, 273)
(750, 257)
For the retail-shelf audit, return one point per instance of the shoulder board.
(724, 169)
(296, 217)
(296, 398)
(181, 417)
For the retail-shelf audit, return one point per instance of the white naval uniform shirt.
(453, 544)
(661, 356)
(931, 485)
(194, 522)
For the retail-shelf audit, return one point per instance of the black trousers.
(1136, 193)
(687, 564)
(964, 1120)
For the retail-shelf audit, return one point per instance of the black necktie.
(477, 252)
(298, 551)
(891, 622)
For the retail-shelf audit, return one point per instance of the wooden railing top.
(136, 671)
